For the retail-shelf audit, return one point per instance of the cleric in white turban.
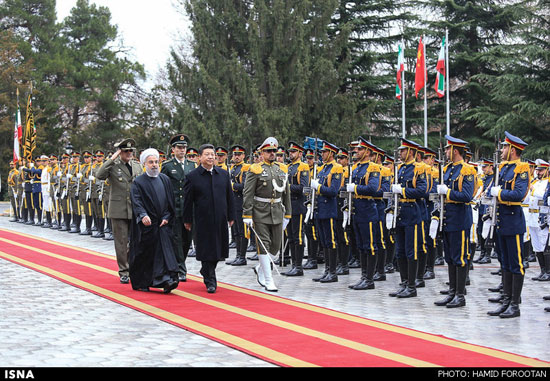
(152, 258)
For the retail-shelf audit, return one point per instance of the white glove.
(548, 201)
(495, 190)
(285, 222)
(434, 225)
(31, 165)
(442, 189)
(78, 175)
(486, 228)
(69, 176)
(58, 173)
(314, 184)
(350, 188)
(389, 221)
(247, 221)
(91, 178)
(397, 188)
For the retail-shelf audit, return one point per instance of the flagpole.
(447, 80)
(425, 96)
(403, 124)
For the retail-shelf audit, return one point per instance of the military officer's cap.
(353, 144)
(192, 151)
(52, 156)
(11, 162)
(514, 141)
(221, 151)
(310, 153)
(327, 146)
(238, 149)
(293, 146)
(126, 144)
(379, 150)
(541, 164)
(257, 148)
(76, 154)
(65, 155)
(485, 162)
(364, 143)
(408, 144)
(281, 150)
(269, 143)
(428, 152)
(469, 154)
(179, 140)
(343, 152)
(161, 153)
(389, 160)
(99, 153)
(456, 142)
(43, 157)
(531, 163)
(86, 154)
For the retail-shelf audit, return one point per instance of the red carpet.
(278, 330)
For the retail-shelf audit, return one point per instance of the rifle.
(492, 215)
(311, 208)
(349, 200)
(441, 196)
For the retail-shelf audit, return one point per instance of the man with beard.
(152, 259)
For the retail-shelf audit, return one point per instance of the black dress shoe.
(445, 300)
(170, 285)
(408, 292)
(239, 261)
(330, 278)
(182, 277)
(458, 301)
(144, 289)
(211, 289)
(365, 284)
(124, 279)
(379, 277)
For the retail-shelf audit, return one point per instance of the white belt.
(268, 200)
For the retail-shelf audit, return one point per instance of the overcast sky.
(148, 27)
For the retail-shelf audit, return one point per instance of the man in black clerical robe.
(152, 258)
(208, 200)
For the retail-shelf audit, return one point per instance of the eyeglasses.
(271, 150)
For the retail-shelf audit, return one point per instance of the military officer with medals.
(121, 170)
(237, 172)
(177, 169)
(410, 185)
(13, 181)
(457, 187)
(298, 178)
(267, 208)
(327, 187)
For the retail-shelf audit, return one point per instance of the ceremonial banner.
(400, 70)
(420, 75)
(30, 132)
(440, 68)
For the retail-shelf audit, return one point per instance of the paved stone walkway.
(47, 323)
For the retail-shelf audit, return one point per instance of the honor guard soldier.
(457, 187)
(431, 243)
(511, 190)
(13, 181)
(55, 183)
(176, 169)
(97, 194)
(221, 158)
(281, 154)
(237, 172)
(327, 187)
(298, 178)
(192, 154)
(45, 181)
(162, 158)
(487, 179)
(309, 226)
(28, 208)
(409, 185)
(425, 223)
(539, 235)
(364, 186)
(74, 190)
(121, 170)
(387, 175)
(85, 195)
(267, 208)
(343, 221)
(35, 173)
(64, 192)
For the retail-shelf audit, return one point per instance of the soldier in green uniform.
(176, 169)
(85, 191)
(73, 191)
(97, 195)
(267, 208)
(121, 171)
(63, 191)
(13, 181)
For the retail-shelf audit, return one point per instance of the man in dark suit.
(208, 203)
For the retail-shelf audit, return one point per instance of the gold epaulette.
(337, 168)
(468, 170)
(373, 167)
(245, 167)
(256, 168)
(303, 167)
(283, 167)
(521, 167)
(419, 169)
(386, 172)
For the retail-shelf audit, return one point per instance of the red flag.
(420, 75)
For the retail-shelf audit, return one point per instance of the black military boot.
(100, 233)
(410, 290)
(325, 272)
(452, 286)
(404, 274)
(66, 223)
(332, 259)
(298, 269)
(513, 308)
(546, 276)
(367, 281)
(311, 262)
(459, 300)
(77, 221)
(421, 269)
(343, 255)
(240, 260)
(507, 294)
(379, 273)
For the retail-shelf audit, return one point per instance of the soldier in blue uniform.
(310, 229)
(366, 182)
(431, 243)
(512, 188)
(327, 186)
(487, 179)
(457, 186)
(410, 185)
(237, 172)
(298, 178)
